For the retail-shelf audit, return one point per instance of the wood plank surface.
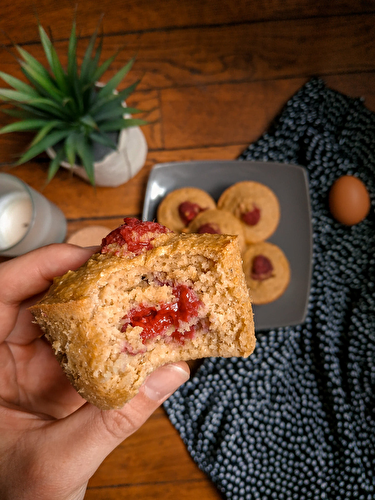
(158, 450)
(182, 490)
(144, 15)
(193, 116)
(196, 116)
(214, 77)
(260, 51)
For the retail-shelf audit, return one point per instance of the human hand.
(52, 440)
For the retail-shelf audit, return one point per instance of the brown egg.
(349, 201)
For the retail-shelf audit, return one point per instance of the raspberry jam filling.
(210, 228)
(261, 268)
(134, 236)
(251, 218)
(156, 320)
(188, 211)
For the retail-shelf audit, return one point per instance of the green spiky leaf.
(95, 61)
(124, 94)
(85, 153)
(53, 59)
(100, 104)
(99, 72)
(43, 104)
(79, 96)
(30, 111)
(18, 113)
(23, 125)
(50, 107)
(45, 143)
(114, 125)
(46, 43)
(32, 62)
(114, 111)
(43, 83)
(70, 148)
(46, 129)
(59, 72)
(89, 121)
(18, 84)
(102, 138)
(55, 164)
(14, 95)
(86, 63)
(115, 80)
(72, 53)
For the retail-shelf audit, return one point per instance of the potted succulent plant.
(80, 123)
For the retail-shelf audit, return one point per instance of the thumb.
(86, 437)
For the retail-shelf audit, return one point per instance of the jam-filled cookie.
(181, 206)
(255, 205)
(267, 272)
(215, 221)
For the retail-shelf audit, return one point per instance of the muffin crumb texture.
(117, 318)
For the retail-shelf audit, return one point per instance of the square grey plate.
(293, 235)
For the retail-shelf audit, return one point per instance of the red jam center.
(262, 268)
(252, 217)
(156, 320)
(137, 235)
(210, 228)
(188, 211)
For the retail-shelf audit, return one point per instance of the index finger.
(32, 273)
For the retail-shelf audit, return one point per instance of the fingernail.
(164, 381)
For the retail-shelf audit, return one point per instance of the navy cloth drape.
(296, 420)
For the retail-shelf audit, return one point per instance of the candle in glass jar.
(28, 220)
(16, 212)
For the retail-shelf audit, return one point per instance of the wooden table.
(215, 74)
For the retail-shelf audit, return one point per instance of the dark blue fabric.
(296, 420)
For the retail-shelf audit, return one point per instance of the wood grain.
(182, 490)
(143, 15)
(158, 453)
(200, 115)
(209, 104)
(245, 52)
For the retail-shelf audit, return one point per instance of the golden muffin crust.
(255, 206)
(170, 209)
(267, 272)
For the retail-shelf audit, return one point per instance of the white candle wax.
(16, 212)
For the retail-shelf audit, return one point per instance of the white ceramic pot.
(118, 166)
